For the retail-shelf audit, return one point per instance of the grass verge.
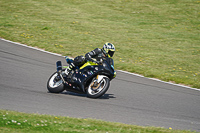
(14, 122)
(155, 38)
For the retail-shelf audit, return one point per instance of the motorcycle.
(90, 78)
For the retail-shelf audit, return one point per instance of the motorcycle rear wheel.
(55, 86)
(98, 90)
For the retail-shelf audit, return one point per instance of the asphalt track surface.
(130, 99)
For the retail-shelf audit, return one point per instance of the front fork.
(100, 78)
(97, 82)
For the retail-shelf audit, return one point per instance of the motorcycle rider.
(95, 56)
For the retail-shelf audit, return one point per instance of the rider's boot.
(68, 70)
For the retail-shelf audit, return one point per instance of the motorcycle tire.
(55, 86)
(99, 90)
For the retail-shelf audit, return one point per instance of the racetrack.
(130, 99)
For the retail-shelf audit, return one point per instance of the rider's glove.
(101, 61)
(98, 62)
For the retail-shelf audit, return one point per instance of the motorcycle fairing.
(86, 73)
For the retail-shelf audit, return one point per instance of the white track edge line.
(159, 80)
(31, 47)
(117, 70)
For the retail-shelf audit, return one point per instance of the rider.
(95, 56)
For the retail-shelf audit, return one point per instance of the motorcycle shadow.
(105, 96)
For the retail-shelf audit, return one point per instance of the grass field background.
(15, 122)
(154, 38)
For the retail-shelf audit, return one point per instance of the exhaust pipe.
(59, 70)
(59, 66)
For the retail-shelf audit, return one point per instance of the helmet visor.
(111, 53)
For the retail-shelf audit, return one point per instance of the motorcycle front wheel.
(96, 90)
(55, 85)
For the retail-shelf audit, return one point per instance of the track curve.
(130, 99)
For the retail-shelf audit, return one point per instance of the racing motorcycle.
(90, 78)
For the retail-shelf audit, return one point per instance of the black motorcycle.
(91, 78)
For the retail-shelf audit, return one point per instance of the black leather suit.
(95, 54)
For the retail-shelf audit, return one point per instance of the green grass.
(14, 122)
(155, 38)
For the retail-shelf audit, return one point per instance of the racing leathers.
(95, 55)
